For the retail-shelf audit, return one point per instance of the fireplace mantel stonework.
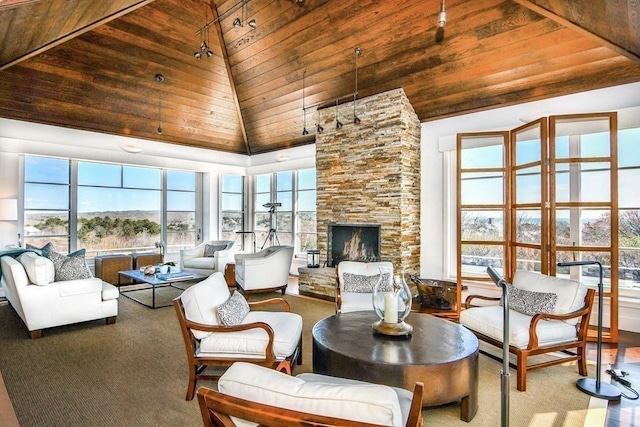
(369, 174)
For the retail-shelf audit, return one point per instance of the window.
(181, 210)
(306, 224)
(629, 207)
(285, 209)
(232, 211)
(112, 208)
(47, 204)
(558, 190)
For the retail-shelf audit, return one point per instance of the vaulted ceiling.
(92, 65)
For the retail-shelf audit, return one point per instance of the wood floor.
(626, 357)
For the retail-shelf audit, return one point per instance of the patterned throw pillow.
(44, 251)
(233, 311)
(210, 250)
(531, 303)
(69, 267)
(365, 284)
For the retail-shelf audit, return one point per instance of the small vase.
(164, 269)
(392, 304)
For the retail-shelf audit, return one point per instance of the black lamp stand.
(504, 373)
(589, 385)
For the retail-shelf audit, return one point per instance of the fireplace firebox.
(352, 242)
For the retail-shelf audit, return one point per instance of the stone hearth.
(369, 174)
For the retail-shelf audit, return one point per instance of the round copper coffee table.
(441, 354)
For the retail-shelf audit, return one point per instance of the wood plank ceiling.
(92, 64)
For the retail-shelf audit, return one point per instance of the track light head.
(197, 55)
(356, 120)
(159, 78)
(305, 132)
(159, 130)
(252, 24)
(209, 53)
(319, 129)
(203, 46)
(338, 124)
(237, 23)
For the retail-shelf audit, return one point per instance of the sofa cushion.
(233, 311)
(287, 328)
(529, 302)
(570, 293)
(210, 250)
(365, 284)
(363, 402)
(39, 269)
(488, 321)
(201, 300)
(203, 262)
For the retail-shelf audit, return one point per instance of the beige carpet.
(134, 373)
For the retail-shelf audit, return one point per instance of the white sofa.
(267, 270)
(28, 282)
(194, 259)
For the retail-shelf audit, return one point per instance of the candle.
(391, 307)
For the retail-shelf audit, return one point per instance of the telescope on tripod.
(272, 236)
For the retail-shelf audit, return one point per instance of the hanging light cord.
(304, 109)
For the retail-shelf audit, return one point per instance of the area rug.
(134, 373)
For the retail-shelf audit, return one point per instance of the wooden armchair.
(268, 338)
(561, 330)
(278, 400)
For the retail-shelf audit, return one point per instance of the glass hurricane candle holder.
(392, 304)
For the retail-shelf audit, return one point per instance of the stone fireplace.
(369, 173)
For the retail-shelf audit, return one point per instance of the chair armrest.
(272, 301)
(584, 312)
(467, 302)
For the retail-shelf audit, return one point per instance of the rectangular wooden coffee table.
(155, 281)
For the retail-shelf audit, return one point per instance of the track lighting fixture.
(356, 119)
(204, 46)
(319, 129)
(338, 123)
(442, 16)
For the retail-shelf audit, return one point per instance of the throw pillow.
(210, 250)
(69, 267)
(44, 251)
(233, 311)
(529, 302)
(39, 269)
(365, 284)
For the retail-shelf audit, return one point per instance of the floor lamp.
(504, 373)
(589, 385)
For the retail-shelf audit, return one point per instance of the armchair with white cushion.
(207, 257)
(546, 315)
(219, 329)
(354, 284)
(249, 394)
(267, 270)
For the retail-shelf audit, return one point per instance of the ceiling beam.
(529, 4)
(75, 33)
(232, 84)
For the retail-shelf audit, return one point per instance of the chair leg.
(111, 320)
(284, 366)
(521, 372)
(582, 361)
(191, 387)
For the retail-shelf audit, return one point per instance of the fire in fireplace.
(353, 242)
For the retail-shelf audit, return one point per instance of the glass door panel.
(584, 202)
(529, 193)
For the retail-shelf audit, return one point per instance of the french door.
(558, 202)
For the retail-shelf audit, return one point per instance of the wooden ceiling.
(92, 64)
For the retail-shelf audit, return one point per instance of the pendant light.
(304, 109)
(338, 124)
(159, 79)
(356, 119)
